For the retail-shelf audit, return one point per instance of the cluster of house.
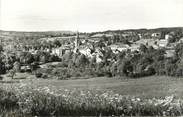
(85, 44)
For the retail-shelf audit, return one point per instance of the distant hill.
(144, 30)
(43, 34)
(38, 32)
(19, 34)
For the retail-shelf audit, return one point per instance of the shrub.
(12, 73)
(62, 64)
(45, 70)
(45, 76)
(89, 72)
(38, 74)
(1, 77)
(61, 73)
(8, 102)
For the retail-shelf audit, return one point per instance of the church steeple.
(77, 40)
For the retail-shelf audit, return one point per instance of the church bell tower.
(77, 40)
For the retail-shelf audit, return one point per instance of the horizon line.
(29, 31)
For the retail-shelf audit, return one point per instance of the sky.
(89, 15)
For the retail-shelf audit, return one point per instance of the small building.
(167, 36)
(162, 43)
(116, 47)
(61, 50)
(134, 47)
(170, 53)
(140, 36)
(86, 51)
(98, 57)
(101, 35)
(156, 35)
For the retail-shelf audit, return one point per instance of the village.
(93, 45)
(101, 47)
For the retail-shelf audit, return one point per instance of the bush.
(62, 64)
(89, 72)
(61, 73)
(45, 76)
(1, 77)
(76, 73)
(8, 102)
(45, 70)
(38, 74)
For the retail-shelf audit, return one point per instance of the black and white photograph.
(91, 58)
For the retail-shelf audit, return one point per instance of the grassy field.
(148, 96)
(147, 87)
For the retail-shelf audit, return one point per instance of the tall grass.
(45, 102)
(8, 103)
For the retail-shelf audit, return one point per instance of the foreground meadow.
(96, 96)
